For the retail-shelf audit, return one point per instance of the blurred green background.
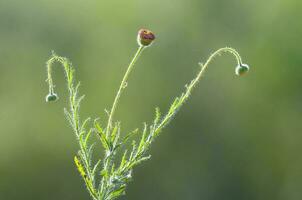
(236, 138)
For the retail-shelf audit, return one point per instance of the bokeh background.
(236, 138)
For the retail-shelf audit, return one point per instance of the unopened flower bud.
(51, 97)
(145, 37)
(242, 69)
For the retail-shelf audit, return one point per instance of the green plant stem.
(193, 83)
(123, 85)
(73, 117)
(205, 66)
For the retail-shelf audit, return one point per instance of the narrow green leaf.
(142, 141)
(117, 193)
(157, 116)
(80, 167)
(85, 122)
(133, 164)
(79, 100)
(124, 160)
(133, 150)
(129, 135)
(104, 173)
(117, 137)
(113, 133)
(96, 167)
(106, 144)
(87, 137)
(68, 117)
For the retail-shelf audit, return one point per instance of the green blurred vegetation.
(236, 138)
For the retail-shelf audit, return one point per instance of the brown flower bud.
(145, 37)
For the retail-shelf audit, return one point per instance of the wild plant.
(107, 178)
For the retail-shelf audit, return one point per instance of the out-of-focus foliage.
(235, 139)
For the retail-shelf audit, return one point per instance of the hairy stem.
(205, 66)
(123, 85)
(193, 83)
(73, 117)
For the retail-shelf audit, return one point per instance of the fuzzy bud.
(242, 69)
(51, 97)
(145, 37)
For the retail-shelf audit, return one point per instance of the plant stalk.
(123, 85)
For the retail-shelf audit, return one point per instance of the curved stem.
(123, 85)
(49, 72)
(73, 116)
(210, 59)
(180, 100)
(67, 70)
